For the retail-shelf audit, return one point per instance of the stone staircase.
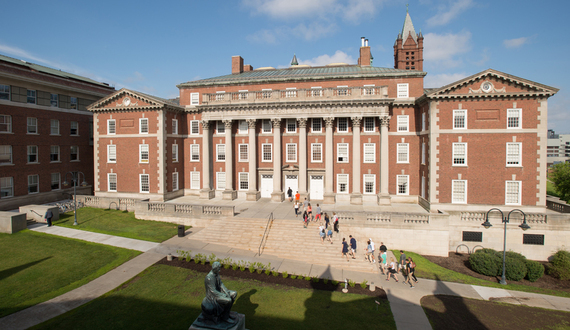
(287, 239)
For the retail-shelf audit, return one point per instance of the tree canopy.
(560, 176)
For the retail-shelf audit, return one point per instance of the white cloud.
(313, 31)
(442, 79)
(449, 12)
(308, 32)
(137, 76)
(338, 57)
(24, 55)
(284, 9)
(515, 43)
(443, 49)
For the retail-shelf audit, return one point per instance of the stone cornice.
(491, 95)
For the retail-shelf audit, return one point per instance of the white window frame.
(6, 153)
(290, 92)
(144, 149)
(341, 155)
(111, 180)
(457, 155)
(195, 127)
(195, 152)
(456, 193)
(291, 152)
(460, 113)
(7, 187)
(403, 91)
(32, 126)
(111, 153)
(34, 180)
(514, 160)
(403, 123)
(33, 151)
(369, 124)
(424, 153)
(57, 152)
(243, 181)
(514, 113)
(315, 146)
(111, 127)
(71, 153)
(71, 128)
(220, 152)
(54, 127)
(291, 122)
(54, 100)
(58, 181)
(195, 178)
(508, 200)
(243, 155)
(369, 153)
(266, 156)
(174, 181)
(368, 89)
(220, 127)
(340, 180)
(174, 126)
(314, 121)
(265, 124)
(142, 188)
(344, 121)
(403, 149)
(369, 178)
(194, 98)
(31, 96)
(5, 124)
(406, 179)
(175, 153)
(220, 178)
(242, 127)
(143, 125)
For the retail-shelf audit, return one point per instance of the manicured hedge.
(560, 265)
(487, 262)
(490, 262)
(534, 270)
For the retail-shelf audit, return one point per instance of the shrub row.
(560, 265)
(490, 262)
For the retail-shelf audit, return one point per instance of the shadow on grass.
(244, 304)
(11, 271)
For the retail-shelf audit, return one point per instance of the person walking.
(297, 197)
(318, 213)
(368, 252)
(305, 204)
(409, 273)
(345, 248)
(310, 212)
(372, 253)
(290, 194)
(413, 269)
(327, 220)
(48, 217)
(392, 270)
(296, 209)
(329, 233)
(305, 217)
(402, 265)
(322, 234)
(383, 247)
(352, 246)
(335, 222)
(382, 259)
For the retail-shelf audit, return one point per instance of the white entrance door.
(291, 181)
(317, 187)
(266, 185)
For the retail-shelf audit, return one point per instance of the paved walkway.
(404, 302)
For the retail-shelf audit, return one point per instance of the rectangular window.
(316, 91)
(220, 127)
(403, 123)
(112, 182)
(174, 126)
(194, 98)
(370, 152)
(369, 125)
(221, 180)
(32, 154)
(54, 100)
(74, 128)
(368, 90)
(291, 125)
(342, 152)
(342, 125)
(316, 125)
(402, 184)
(243, 152)
(6, 187)
(54, 127)
(472, 236)
(5, 154)
(423, 152)
(33, 184)
(32, 125)
(5, 92)
(342, 183)
(459, 191)
(55, 181)
(291, 152)
(195, 128)
(423, 121)
(316, 152)
(242, 127)
(194, 180)
(514, 118)
(291, 92)
(221, 152)
(266, 126)
(369, 184)
(195, 152)
(175, 153)
(111, 126)
(513, 193)
(5, 124)
(175, 181)
(143, 125)
(143, 153)
(111, 153)
(73, 102)
(74, 153)
(533, 239)
(514, 154)
(243, 181)
(403, 152)
(266, 151)
(54, 154)
(31, 96)
(459, 119)
(459, 154)
(403, 91)
(144, 182)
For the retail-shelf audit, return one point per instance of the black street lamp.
(523, 226)
(75, 179)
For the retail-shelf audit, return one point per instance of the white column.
(329, 195)
(229, 193)
(206, 192)
(277, 194)
(253, 194)
(302, 157)
(384, 197)
(356, 196)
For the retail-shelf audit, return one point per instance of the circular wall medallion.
(126, 101)
(486, 87)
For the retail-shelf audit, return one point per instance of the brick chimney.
(237, 64)
(247, 68)
(365, 58)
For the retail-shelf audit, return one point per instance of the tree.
(560, 176)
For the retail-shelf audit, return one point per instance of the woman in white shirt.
(392, 270)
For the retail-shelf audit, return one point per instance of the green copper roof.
(304, 73)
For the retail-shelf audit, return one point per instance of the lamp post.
(523, 226)
(75, 179)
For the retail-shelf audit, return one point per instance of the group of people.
(406, 266)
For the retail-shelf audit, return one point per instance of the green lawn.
(118, 223)
(36, 267)
(165, 297)
(551, 189)
(427, 269)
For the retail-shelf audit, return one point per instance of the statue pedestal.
(200, 323)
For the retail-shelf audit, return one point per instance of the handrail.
(36, 213)
(269, 220)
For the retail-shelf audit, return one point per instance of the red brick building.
(45, 131)
(357, 133)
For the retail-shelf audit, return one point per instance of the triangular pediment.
(126, 99)
(492, 83)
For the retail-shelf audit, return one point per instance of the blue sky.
(151, 46)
